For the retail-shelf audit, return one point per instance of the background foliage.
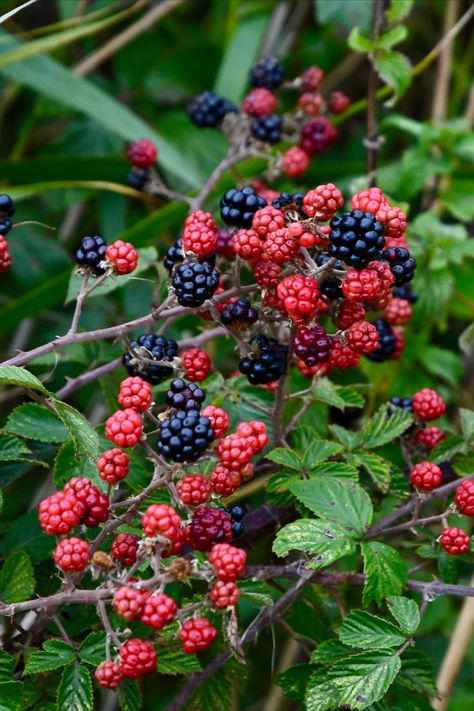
(64, 131)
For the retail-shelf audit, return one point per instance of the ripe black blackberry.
(151, 347)
(184, 436)
(137, 178)
(404, 402)
(402, 264)
(267, 72)
(7, 206)
(267, 363)
(238, 528)
(5, 225)
(356, 238)
(185, 396)
(174, 255)
(267, 128)
(290, 202)
(405, 292)
(194, 282)
(208, 109)
(91, 253)
(237, 512)
(313, 345)
(388, 342)
(239, 206)
(239, 313)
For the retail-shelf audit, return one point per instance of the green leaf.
(331, 650)
(85, 438)
(293, 681)
(398, 10)
(319, 451)
(385, 569)
(75, 689)
(26, 533)
(67, 466)
(13, 375)
(17, 581)
(344, 15)
(6, 666)
(241, 52)
(345, 503)
(395, 70)
(406, 613)
(11, 696)
(361, 629)
(326, 541)
(338, 470)
(383, 427)
(359, 43)
(92, 648)
(467, 423)
(351, 397)
(11, 448)
(175, 661)
(146, 257)
(392, 37)
(129, 695)
(326, 391)
(448, 448)
(33, 421)
(55, 654)
(417, 672)
(287, 458)
(52, 79)
(348, 439)
(376, 467)
(358, 681)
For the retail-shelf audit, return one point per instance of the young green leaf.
(129, 695)
(376, 467)
(326, 391)
(13, 375)
(345, 503)
(348, 439)
(55, 654)
(361, 629)
(92, 648)
(326, 541)
(17, 581)
(33, 421)
(75, 689)
(82, 434)
(287, 458)
(319, 451)
(385, 570)
(383, 428)
(395, 70)
(398, 10)
(406, 613)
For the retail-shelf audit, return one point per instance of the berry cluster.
(95, 258)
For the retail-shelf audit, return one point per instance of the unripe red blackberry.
(125, 548)
(393, 219)
(209, 526)
(96, 504)
(294, 162)
(267, 274)
(300, 294)
(197, 634)
(267, 219)
(255, 433)
(363, 337)
(194, 489)
(342, 356)
(430, 437)
(312, 78)
(323, 202)
(228, 561)
(426, 476)
(338, 102)
(123, 256)
(200, 234)
(348, 313)
(138, 658)
(113, 465)
(196, 364)
(428, 405)
(109, 675)
(220, 420)
(464, 498)
(5, 256)
(260, 102)
(124, 428)
(59, 513)
(161, 519)
(247, 244)
(224, 595)
(398, 312)
(455, 541)
(142, 153)
(135, 393)
(311, 103)
(72, 555)
(159, 610)
(129, 602)
(224, 481)
(234, 452)
(280, 247)
(369, 200)
(364, 285)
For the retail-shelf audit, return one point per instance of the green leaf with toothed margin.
(326, 541)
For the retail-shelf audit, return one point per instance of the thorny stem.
(104, 618)
(277, 419)
(79, 302)
(373, 142)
